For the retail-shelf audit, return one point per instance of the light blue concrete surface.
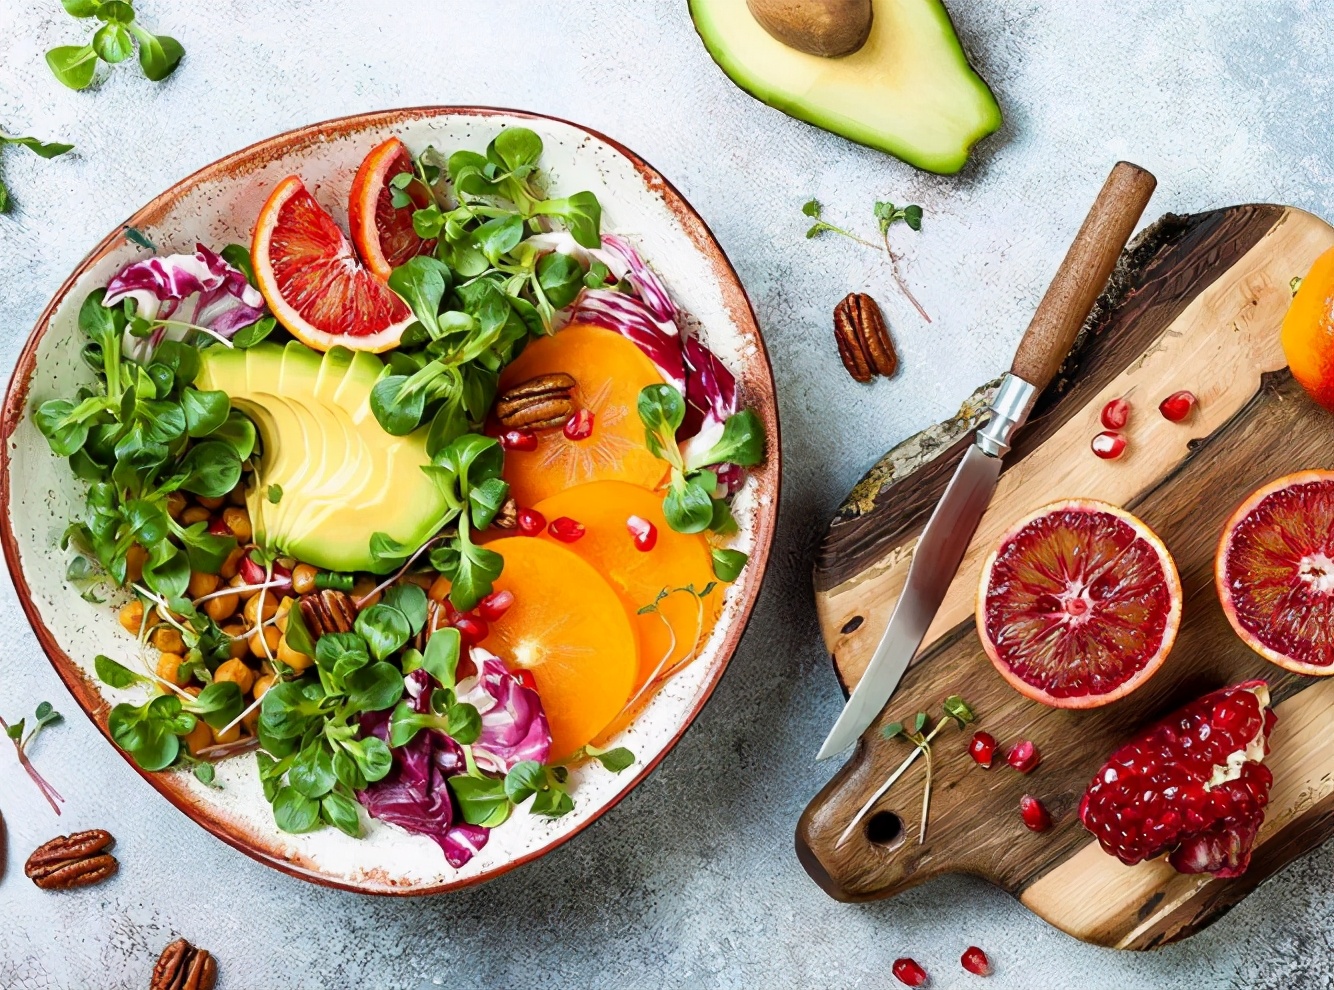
(691, 882)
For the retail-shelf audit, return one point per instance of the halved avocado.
(342, 477)
(908, 91)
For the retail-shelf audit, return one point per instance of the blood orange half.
(1275, 572)
(314, 283)
(1079, 605)
(383, 232)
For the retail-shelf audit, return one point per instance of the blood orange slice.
(1079, 605)
(314, 283)
(383, 232)
(1275, 572)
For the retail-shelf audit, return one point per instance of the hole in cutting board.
(884, 829)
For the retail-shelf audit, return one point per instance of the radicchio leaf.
(514, 726)
(225, 302)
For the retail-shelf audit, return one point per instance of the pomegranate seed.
(531, 522)
(975, 961)
(1177, 406)
(908, 972)
(982, 748)
(494, 605)
(1116, 414)
(524, 440)
(643, 531)
(1034, 814)
(219, 528)
(1023, 756)
(579, 426)
(565, 529)
(472, 628)
(1108, 445)
(526, 678)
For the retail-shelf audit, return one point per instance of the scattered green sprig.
(44, 715)
(42, 149)
(113, 42)
(886, 215)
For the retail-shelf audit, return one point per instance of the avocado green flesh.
(908, 91)
(343, 478)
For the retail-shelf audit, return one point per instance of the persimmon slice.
(610, 371)
(568, 627)
(677, 560)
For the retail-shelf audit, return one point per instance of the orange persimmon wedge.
(610, 371)
(568, 627)
(677, 560)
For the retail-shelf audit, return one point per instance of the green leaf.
(274, 493)
(73, 65)
(297, 634)
(80, 8)
(137, 238)
(582, 214)
(288, 708)
(723, 522)
(892, 730)
(397, 407)
(441, 658)
(339, 654)
(959, 710)
(115, 11)
(411, 600)
(41, 149)
(524, 780)
(340, 811)
(481, 799)
(561, 278)
(385, 629)
(375, 687)
(662, 410)
(312, 772)
(486, 500)
(477, 571)
(422, 282)
(47, 715)
(463, 723)
(238, 433)
(515, 147)
(158, 54)
(614, 760)
(912, 216)
(499, 236)
(919, 722)
(552, 803)
(112, 42)
(250, 336)
(688, 507)
(371, 756)
(811, 208)
(219, 703)
(212, 469)
(742, 443)
(238, 256)
(204, 411)
(294, 812)
(167, 570)
(206, 774)
(727, 564)
(59, 421)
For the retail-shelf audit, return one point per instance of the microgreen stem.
(234, 722)
(50, 793)
(898, 278)
(401, 571)
(237, 590)
(259, 610)
(226, 342)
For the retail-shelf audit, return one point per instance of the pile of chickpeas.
(240, 615)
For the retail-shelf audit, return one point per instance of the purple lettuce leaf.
(226, 301)
(514, 726)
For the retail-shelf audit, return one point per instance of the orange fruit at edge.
(383, 233)
(568, 628)
(1079, 604)
(1308, 332)
(610, 371)
(314, 283)
(676, 560)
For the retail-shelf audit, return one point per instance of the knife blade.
(1045, 344)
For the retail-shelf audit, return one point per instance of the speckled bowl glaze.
(217, 205)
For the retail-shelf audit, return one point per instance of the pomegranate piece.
(1034, 813)
(1116, 414)
(219, 528)
(530, 522)
(523, 440)
(494, 605)
(908, 972)
(472, 628)
(982, 748)
(565, 529)
(579, 426)
(645, 534)
(252, 572)
(975, 961)
(1177, 406)
(1193, 785)
(1023, 756)
(1108, 445)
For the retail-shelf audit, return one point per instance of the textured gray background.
(692, 880)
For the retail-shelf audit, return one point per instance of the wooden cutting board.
(1196, 302)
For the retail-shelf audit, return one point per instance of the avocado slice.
(342, 477)
(908, 91)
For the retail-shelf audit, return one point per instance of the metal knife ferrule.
(1009, 409)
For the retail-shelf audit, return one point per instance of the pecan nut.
(184, 967)
(328, 611)
(507, 517)
(69, 861)
(539, 403)
(863, 341)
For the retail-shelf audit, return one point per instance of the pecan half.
(539, 403)
(328, 611)
(508, 515)
(69, 861)
(184, 967)
(863, 341)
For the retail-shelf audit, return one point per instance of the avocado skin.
(976, 114)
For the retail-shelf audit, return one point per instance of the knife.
(940, 549)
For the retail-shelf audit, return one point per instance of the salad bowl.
(39, 496)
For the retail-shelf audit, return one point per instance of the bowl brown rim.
(762, 391)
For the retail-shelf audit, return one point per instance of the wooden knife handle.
(1080, 279)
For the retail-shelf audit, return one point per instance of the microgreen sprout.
(652, 608)
(41, 149)
(44, 716)
(957, 712)
(886, 215)
(813, 209)
(113, 42)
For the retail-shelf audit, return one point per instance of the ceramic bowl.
(217, 205)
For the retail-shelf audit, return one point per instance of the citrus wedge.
(314, 283)
(382, 232)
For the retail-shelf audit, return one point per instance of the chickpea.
(237, 495)
(423, 580)
(167, 639)
(176, 504)
(230, 736)
(169, 668)
(362, 587)
(222, 607)
(237, 672)
(238, 521)
(439, 590)
(252, 608)
(211, 503)
(202, 584)
(131, 617)
(287, 563)
(271, 637)
(297, 661)
(200, 737)
(284, 607)
(239, 582)
(251, 721)
(135, 558)
(232, 564)
(264, 682)
(237, 648)
(194, 514)
(303, 579)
